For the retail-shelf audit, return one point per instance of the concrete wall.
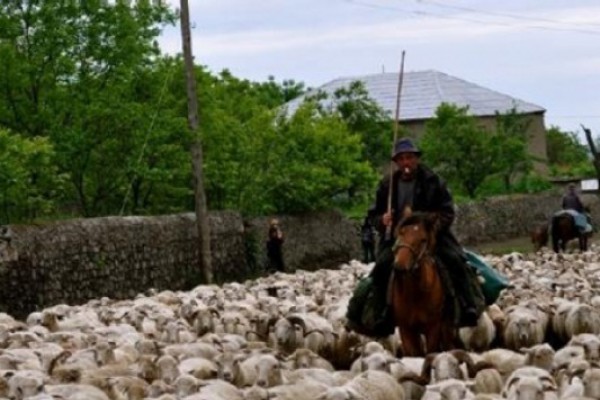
(77, 260)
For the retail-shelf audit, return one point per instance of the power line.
(476, 21)
(501, 14)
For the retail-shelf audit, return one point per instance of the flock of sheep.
(282, 337)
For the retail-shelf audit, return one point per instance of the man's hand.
(387, 218)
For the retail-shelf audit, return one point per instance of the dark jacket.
(430, 195)
(571, 201)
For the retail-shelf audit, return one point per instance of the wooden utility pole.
(204, 255)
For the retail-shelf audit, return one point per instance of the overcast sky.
(546, 52)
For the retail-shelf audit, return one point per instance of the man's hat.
(405, 145)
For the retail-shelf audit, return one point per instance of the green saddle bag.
(493, 281)
(368, 312)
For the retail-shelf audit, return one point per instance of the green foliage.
(366, 118)
(456, 147)
(494, 185)
(567, 156)
(30, 185)
(509, 144)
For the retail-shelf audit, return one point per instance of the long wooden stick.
(388, 229)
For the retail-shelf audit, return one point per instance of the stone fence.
(118, 257)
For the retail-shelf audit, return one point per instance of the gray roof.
(423, 92)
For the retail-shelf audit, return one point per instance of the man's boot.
(464, 281)
(470, 297)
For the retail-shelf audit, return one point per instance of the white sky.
(546, 52)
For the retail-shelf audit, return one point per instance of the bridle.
(417, 256)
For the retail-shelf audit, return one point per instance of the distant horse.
(418, 296)
(563, 230)
(539, 236)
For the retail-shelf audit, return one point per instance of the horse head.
(415, 239)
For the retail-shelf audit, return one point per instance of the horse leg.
(555, 244)
(411, 343)
(433, 338)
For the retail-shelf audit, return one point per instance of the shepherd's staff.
(388, 229)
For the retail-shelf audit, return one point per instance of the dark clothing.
(571, 201)
(367, 234)
(429, 195)
(274, 251)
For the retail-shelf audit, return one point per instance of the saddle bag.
(493, 281)
(368, 312)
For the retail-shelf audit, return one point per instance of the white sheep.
(523, 329)
(527, 383)
(369, 385)
(306, 358)
(480, 337)
(488, 380)
(449, 389)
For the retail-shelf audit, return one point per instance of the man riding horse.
(417, 187)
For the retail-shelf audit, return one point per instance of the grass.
(521, 245)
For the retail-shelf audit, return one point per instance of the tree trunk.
(204, 254)
(592, 146)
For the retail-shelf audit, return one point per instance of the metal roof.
(423, 92)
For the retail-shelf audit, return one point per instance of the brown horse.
(539, 236)
(418, 297)
(563, 230)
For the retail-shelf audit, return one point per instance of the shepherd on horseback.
(416, 187)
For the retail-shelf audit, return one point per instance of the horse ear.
(434, 221)
(407, 212)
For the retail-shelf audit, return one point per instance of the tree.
(30, 186)
(73, 72)
(458, 148)
(567, 156)
(365, 117)
(509, 144)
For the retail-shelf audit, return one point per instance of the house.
(424, 91)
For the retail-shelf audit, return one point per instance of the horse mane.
(418, 217)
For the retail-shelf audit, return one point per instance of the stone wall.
(505, 217)
(77, 260)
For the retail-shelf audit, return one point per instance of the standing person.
(274, 247)
(416, 186)
(367, 237)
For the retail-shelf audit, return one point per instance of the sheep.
(216, 390)
(528, 381)
(581, 318)
(449, 389)
(22, 384)
(488, 380)
(306, 358)
(186, 385)
(369, 385)
(317, 332)
(480, 337)
(505, 361)
(591, 383)
(523, 329)
(564, 356)
(167, 367)
(198, 367)
(287, 336)
(303, 390)
(590, 343)
(539, 355)
(446, 365)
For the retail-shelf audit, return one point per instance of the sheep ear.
(508, 385)
(548, 383)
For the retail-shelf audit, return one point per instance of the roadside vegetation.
(93, 123)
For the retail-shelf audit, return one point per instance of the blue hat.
(405, 145)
